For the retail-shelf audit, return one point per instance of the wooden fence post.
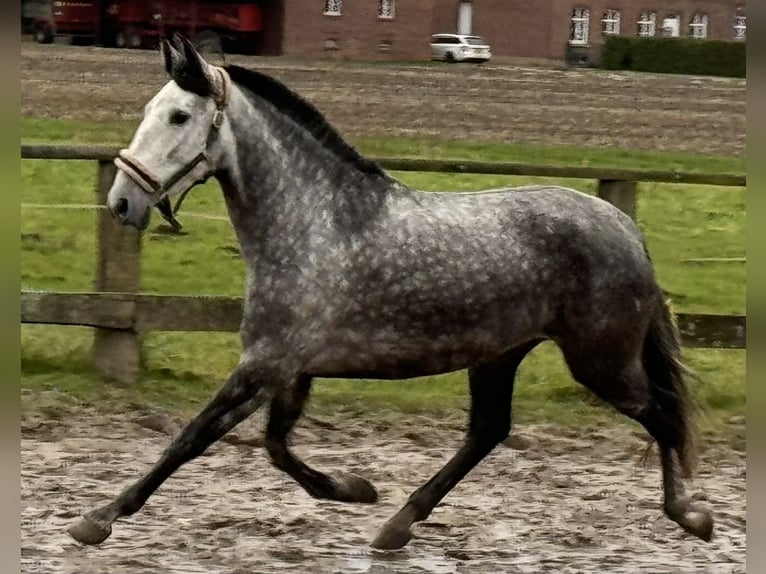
(116, 352)
(620, 193)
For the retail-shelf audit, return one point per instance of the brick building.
(548, 29)
(364, 29)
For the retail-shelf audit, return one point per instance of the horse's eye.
(178, 117)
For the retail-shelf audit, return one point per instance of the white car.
(459, 48)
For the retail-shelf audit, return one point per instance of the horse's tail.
(673, 402)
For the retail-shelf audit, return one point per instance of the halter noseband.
(160, 190)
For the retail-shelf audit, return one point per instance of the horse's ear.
(187, 67)
(193, 57)
(189, 51)
(170, 56)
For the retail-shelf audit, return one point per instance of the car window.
(445, 40)
(475, 41)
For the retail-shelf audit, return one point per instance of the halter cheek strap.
(160, 190)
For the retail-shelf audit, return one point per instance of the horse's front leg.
(245, 390)
(491, 386)
(286, 409)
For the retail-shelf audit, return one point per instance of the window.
(698, 26)
(610, 23)
(332, 7)
(740, 25)
(579, 31)
(671, 26)
(475, 41)
(387, 9)
(647, 24)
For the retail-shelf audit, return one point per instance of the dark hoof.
(89, 531)
(698, 520)
(352, 488)
(392, 536)
(693, 518)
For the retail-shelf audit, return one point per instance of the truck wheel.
(43, 35)
(128, 39)
(208, 42)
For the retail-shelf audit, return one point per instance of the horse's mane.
(304, 114)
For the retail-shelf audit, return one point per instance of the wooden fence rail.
(108, 153)
(119, 313)
(145, 312)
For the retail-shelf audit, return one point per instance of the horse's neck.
(280, 180)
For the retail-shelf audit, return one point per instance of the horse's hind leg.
(491, 386)
(691, 516)
(242, 394)
(630, 393)
(650, 389)
(286, 408)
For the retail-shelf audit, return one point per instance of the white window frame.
(740, 25)
(580, 24)
(333, 7)
(698, 26)
(647, 25)
(387, 9)
(610, 23)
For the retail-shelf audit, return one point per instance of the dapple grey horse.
(353, 274)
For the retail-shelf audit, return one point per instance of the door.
(671, 26)
(464, 17)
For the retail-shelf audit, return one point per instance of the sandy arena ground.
(562, 502)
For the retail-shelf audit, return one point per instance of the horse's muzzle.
(129, 213)
(120, 210)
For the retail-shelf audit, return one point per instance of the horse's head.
(178, 143)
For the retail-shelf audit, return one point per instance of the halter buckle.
(218, 119)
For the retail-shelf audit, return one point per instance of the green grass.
(681, 222)
(34, 130)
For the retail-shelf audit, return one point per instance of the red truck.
(229, 26)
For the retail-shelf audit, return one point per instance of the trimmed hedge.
(674, 56)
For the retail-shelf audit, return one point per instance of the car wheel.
(450, 57)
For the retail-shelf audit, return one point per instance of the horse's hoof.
(352, 488)
(698, 520)
(392, 537)
(89, 531)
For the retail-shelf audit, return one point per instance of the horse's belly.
(399, 357)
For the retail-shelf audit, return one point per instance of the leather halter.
(161, 190)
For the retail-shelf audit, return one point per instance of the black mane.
(304, 114)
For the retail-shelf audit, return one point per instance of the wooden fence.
(119, 313)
